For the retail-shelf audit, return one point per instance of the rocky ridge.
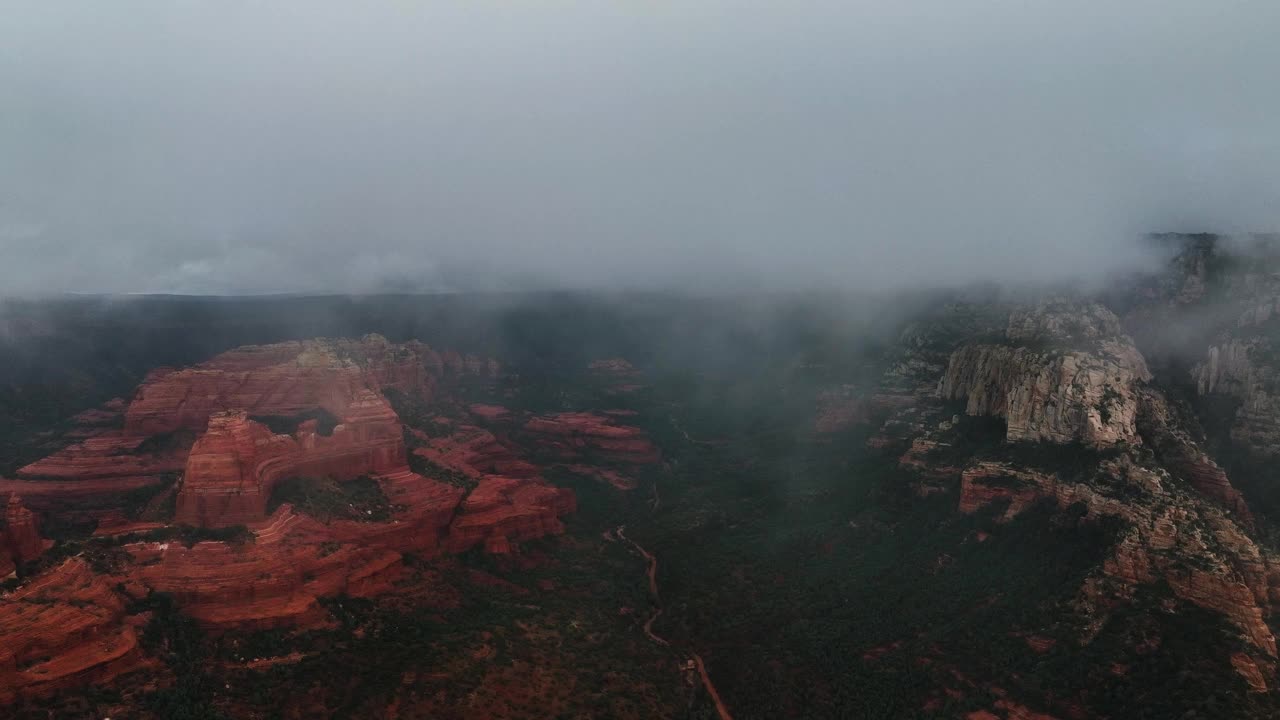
(1064, 376)
(283, 563)
(1064, 373)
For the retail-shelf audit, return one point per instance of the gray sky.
(228, 146)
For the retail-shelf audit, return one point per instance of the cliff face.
(1246, 370)
(1205, 557)
(507, 502)
(63, 629)
(236, 463)
(1063, 373)
(20, 539)
(275, 581)
(1048, 388)
(285, 379)
(1170, 432)
(110, 455)
(473, 452)
(499, 511)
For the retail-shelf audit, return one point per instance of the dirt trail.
(652, 573)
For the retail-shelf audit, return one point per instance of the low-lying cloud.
(237, 147)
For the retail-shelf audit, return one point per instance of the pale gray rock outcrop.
(1066, 374)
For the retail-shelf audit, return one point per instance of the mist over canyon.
(666, 360)
(319, 147)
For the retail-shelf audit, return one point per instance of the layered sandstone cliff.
(1065, 374)
(65, 628)
(209, 424)
(505, 501)
(573, 434)
(471, 451)
(275, 581)
(285, 379)
(20, 539)
(500, 511)
(236, 463)
(1246, 370)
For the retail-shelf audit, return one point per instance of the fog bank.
(236, 147)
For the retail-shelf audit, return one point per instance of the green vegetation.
(415, 412)
(435, 471)
(327, 499)
(288, 424)
(178, 641)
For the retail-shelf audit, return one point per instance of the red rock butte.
(20, 539)
(236, 463)
(286, 379)
(69, 624)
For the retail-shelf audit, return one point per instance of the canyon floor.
(973, 503)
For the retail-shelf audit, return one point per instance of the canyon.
(203, 438)
(1002, 505)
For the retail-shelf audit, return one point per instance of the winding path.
(652, 572)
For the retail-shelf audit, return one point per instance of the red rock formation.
(64, 628)
(273, 582)
(236, 463)
(1249, 670)
(425, 508)
(1015, 711)
(93, 476)
(277, 580)
(59, 495)
(613, 367)
(570, 434)
(283, 379)
(20, 538)
(109, 413)
(67, 627)
(618, 373)
(473, 452)
(110, 455)
(612, 477)
(490, 412)
(501, 510)
(986, 483)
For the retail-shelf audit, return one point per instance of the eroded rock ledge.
(209, 423)
(1062, 375)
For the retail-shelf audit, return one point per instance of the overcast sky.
(245, 147)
